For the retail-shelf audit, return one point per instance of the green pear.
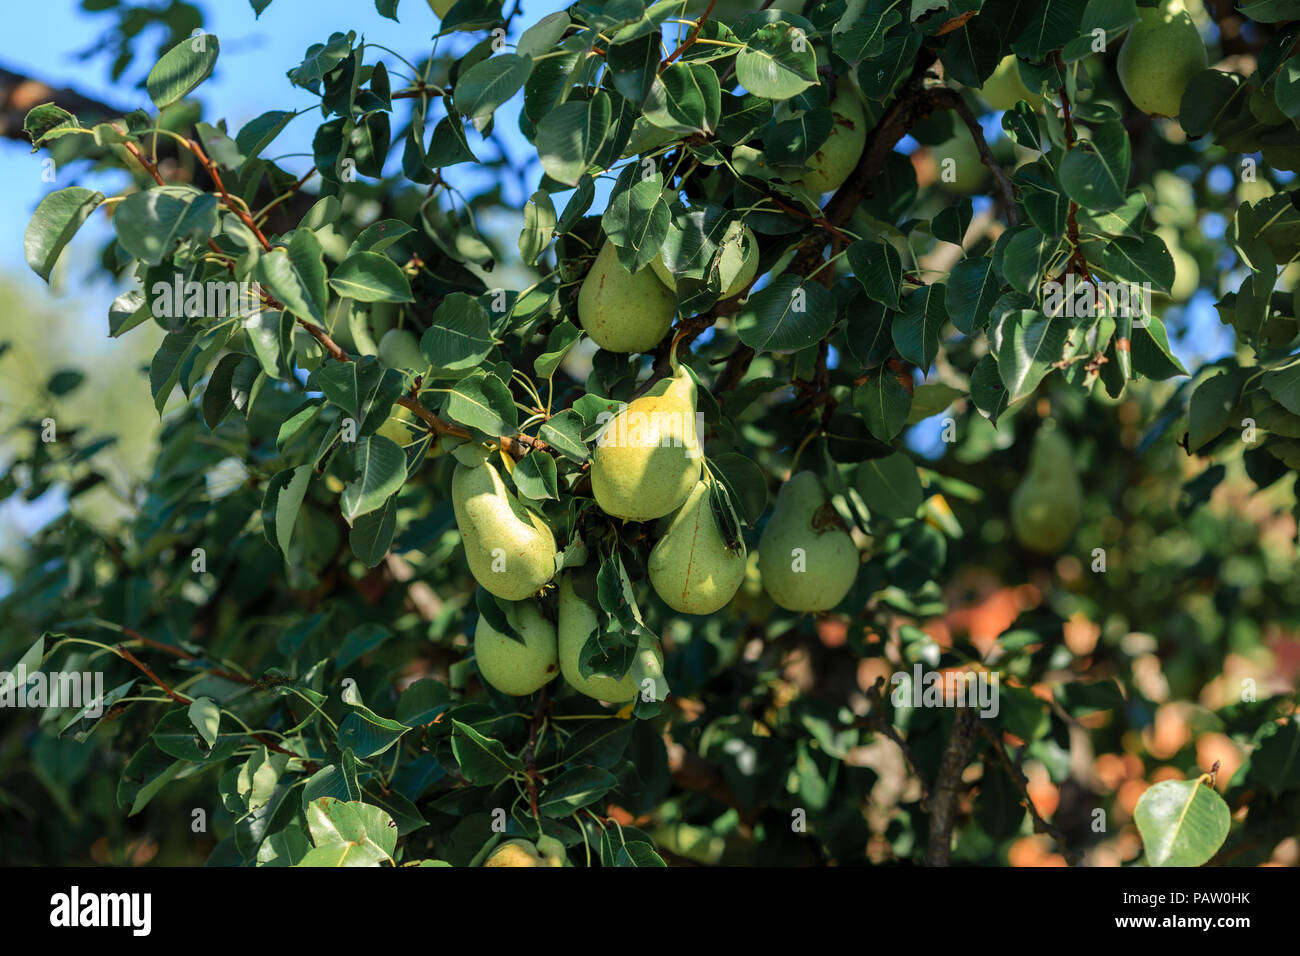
(1004, 89)
(1047, 505)
(513, 668)
(1159, 57)
(510, 549)
(516, 853)
(399, 348)
(647, 459)
(624, 311)
(836, 157)
(691, 567)
(807, 560)
(960, 168)
(552, 851)
(748, 263)
(577, 620)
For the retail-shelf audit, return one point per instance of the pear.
(1004, 89)
(691, 567)
(513, 668)
(624, 311)
(807, 560)
(577, 621)
(647, 459)
(748, 263)
(1159, 57)
(1047, 505)
(399, 348)
(510, 550)
(552, 851)
(966, 171)
(836, 157)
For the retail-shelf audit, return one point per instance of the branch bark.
(947, 789)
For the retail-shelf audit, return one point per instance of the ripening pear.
(647, 459)
(510, 549)
(1159, 57)
(517, 853)
(807, 560)
(513, 668)
(691, 567)
(1047, 505)
(1004, 89)
(624, 311)
(836, 157)
(577, 620)
(399, 348)
(959, 166)
(748, 265)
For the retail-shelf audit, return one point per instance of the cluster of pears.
(1048, 503)
(1159, 57)
(547, 851)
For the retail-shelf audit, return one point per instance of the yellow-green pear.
(515, 853)
(1159, 57)
(510, 549)
(399, 348)
(513, 668)
(552, 851)
(1047, 505)
(691, 568)
(1004, 89)
(647, 459)
(835, 159)
(577, 620)
(748, 264)
(807, 560)
(624, 311)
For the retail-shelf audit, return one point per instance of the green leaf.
(1284, 385)
(380, 471)
(636, 221)
(1149, 348)
(165, 369)
(686, 98)
(55, 222)
(48, 122)
(535, 477)
(778, 62)
(987, 392)
(1031, 342)
(890, 486)
(483, 761)
(371, 277)
(349, 834)
(879, 269)
(484, 402)
(372, 533)
(296, 276)
(489, 83)
(258, 133)
(575, 789)
(378, 236)
(1095, 173)
(1213, 407)
(539, 226)
(916, 328)
(971, 290)
(149, 224)
(1140, 261)
(181, 69)
(283, 499)
(460, 336)
(884, 402)
(787, 315)
(570, 136)
(1182, 823)
(1050, 25)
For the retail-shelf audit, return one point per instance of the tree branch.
(947, 787)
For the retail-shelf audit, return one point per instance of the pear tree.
(641, 409)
